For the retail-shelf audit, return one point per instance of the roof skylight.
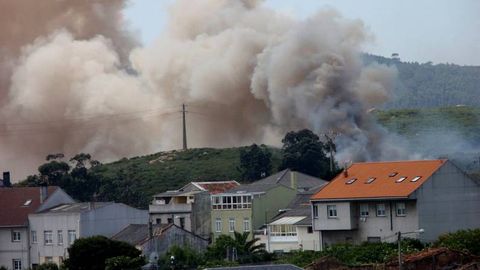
(415, 179)
(370, 180)
(27, 203)
(349, 182)
(392, 174)
(399, 180)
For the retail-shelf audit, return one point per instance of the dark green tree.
(247, 250)
(91, 253)
(255, 162)
(124, 263)
(47, 266)
(303, 151)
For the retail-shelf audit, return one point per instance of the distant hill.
(425, 85)
(452, 132)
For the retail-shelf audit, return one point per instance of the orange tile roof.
(384, 185)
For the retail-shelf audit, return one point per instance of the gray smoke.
(247, 73)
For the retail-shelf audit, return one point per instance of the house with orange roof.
(189, 206)
(372, 201)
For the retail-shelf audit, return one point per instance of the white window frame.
(381, 210)
(315, 210)
(16, 236)
(218, 225)
(34, 237)
(283, 230)
(364, 210)
(401, 209)
(231, 225)
(222, 202)
(48, 238)
(246, 224)
(332, 211)
(17, 264)
(60, 238)
(72, 236)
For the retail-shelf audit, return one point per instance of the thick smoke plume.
(72, 82)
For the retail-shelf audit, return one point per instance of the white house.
(56, 228)
(373, 201)
(16, 203)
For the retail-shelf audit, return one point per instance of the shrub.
(185, 258)
(463, 240)
(124, 263)
(48, 266)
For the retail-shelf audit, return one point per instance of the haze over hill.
(78, 82)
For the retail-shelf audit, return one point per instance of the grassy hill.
(163, 171)
(171, 170)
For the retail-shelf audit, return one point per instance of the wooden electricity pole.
(184, 128)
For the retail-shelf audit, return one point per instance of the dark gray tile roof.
(261, 267)
(303, 181)
(136, 233)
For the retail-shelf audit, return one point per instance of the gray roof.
(137, 233)
(303, 181)
(76, 207)
(300, 206)
(261, 267)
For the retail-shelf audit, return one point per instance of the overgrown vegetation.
(463, 240)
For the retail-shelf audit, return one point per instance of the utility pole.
(184, 128)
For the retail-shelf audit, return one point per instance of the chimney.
(345, 172)
(43, 193)
(293, 180)
(6, 179)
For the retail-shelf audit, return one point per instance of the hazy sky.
(419, 30)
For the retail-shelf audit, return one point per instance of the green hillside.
(427, 85)
(171, 170)
(426, 130)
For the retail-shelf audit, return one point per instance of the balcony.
(169, 208)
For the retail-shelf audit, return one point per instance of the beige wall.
(225, 215)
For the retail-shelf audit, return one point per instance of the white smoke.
(247, 73)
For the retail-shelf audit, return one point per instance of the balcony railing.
(170, 208)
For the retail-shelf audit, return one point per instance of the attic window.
(370, 180)
(415, 179)
(351, 181)
(399, 180)
(27, 203)
(392, 174)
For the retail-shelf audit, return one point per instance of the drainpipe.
(391, 217)
(28, 244)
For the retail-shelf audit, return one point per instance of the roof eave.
(391, 198)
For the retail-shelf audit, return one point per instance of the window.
(231, 202)
(399, 180)
(283, 230)
(332, 211)
(415, 179)
(34, 237)
(364, 210)
(246, 224)
(182, 222)
(59, 237)
(392, 174)
(48, 259)
(309, 229)
(169, 220)
(17, 264)
(374, 239)
(351, 181)
(47, 237)
(370, 180)
(401, 211)
(72, 236)
(218, 225)
(16, 237)
(231, 224)
(380, 210)
(158, 221)
(315, 210)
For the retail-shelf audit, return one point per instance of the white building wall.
(52, 222)
(13, 250)
(386, 226)
(343, 221)
(309, 241)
